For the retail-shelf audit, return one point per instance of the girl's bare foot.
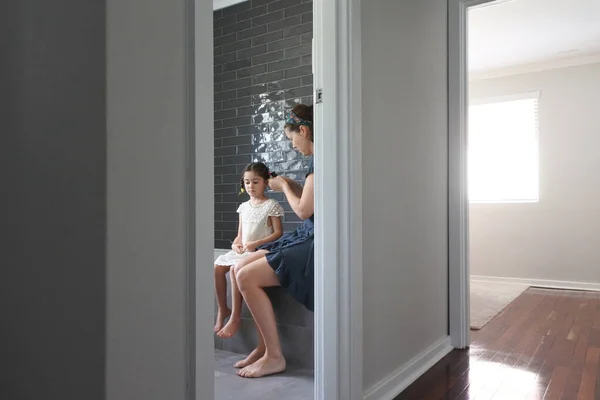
(221, 315)
(251, 359)
(263, 367)
(230, 329)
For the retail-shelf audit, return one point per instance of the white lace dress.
(254, 226)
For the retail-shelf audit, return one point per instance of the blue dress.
(292, 258)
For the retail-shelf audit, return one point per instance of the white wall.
(557, 238)
(147, 351)
(405, 184)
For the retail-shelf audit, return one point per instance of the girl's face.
(254, 184)
(301, 140)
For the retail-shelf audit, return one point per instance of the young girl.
(259, 223)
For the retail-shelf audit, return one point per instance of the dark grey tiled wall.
(263, 66)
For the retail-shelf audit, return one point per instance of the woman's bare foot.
(221, 315)
(263, 367)
(230, 329)
(251, 359)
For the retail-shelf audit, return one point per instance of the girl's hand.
(237, 248)
(250, 247)
(276, 184)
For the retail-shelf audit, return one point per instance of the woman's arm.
(304, 203)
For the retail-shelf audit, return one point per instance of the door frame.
(458, 202)
(338, 201)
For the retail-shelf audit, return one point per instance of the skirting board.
(543, 283)
(392, 385)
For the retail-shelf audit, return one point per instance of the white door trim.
(458, 203)
(338, 201)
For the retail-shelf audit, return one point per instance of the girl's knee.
(221, 269)
(243, 278)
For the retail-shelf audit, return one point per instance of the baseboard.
(392, 385)
(544, 283)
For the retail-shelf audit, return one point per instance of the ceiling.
(522, 32)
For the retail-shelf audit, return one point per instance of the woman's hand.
(276, 184)
(237, 248)
(250, 247)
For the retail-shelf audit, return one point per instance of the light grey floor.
(293, 384)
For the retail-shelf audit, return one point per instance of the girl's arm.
(237, 242)
(304, 203)
(277, 233)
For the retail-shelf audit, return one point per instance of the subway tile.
(267, 18)
(284, 84)
(248, 91)
(236, 8)
(269, 37)
(307, 80)
(298, 92)
(239, 159)
(231, 94)
(232, 19)
(253, 51)
(281, 4)
(299, 9)
(237, 140)
(227, 132)
(238, 27)
(225, 151)
(241, 102)
(226, 225)
(217, 33)
(217, 14)
(239, 45)
(237, 65)
(252, 13)
(218, 124)
(226, 114)
(218, 161)
(307, 17)
(298, 71)
(268, 77)
(251, 110)
(307, 59)
(285, 23)
(226, 58)
(256, 3)
(224, 170)
(217, 87)
(225, 39)
(217, 51)
(297, 30)
(285, 43)
(301, 50)
(218, 69)
(231, 216)
(307, 38)
(239, 121)
(246, 72)
(228, 76)
(285, 64)
(252, 32)
(267, 58)
(239, 83)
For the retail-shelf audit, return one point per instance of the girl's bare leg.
(252, 280)
(235, 321)
(221, 294)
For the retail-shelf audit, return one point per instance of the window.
(503, 150)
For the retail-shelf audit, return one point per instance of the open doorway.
(531, 135)
(263, 68)
(337, 299)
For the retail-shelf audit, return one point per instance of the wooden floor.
(544, 345)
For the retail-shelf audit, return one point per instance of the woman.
(287, 262)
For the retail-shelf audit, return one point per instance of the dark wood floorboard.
(544, 346)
